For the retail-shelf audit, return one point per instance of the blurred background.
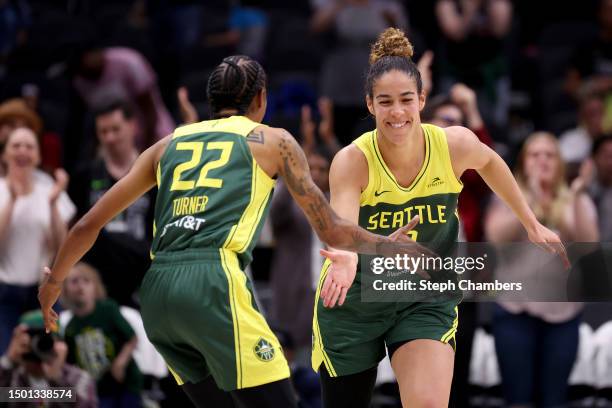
(97, 82)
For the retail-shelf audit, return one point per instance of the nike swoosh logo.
(378, 193)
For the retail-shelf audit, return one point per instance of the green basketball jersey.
(386, 206)
(212, 193)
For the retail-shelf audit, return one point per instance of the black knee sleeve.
(278, 394)
(206, 394)
(348, 391)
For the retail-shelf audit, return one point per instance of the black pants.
(348, 391)
(206, 394)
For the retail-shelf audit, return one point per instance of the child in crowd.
(100, 340)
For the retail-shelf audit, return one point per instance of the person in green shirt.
(100, 340)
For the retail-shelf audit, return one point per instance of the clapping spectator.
(325, 130)
(544, 334)
(15, 113)
(34, 212)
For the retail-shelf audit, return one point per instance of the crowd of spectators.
(85, 86)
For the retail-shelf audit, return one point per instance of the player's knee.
(429, 403)
(426, 399)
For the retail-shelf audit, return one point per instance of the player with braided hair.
(215, 180)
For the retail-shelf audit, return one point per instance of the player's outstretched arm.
(467, 152)
(83, 234)
(330, 228)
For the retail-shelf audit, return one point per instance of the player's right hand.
(340, 276)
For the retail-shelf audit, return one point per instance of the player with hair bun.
(376, 181)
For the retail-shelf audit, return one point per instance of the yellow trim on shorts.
(453, 330)
(177, 378)
(250, 328)
(318, 350)
(230, 282)
(241, 234)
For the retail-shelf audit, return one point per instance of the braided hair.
(233, 84)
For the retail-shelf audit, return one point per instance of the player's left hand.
(48, 293)
(550, 242)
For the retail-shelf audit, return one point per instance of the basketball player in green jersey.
(215, 179)
(381, 180)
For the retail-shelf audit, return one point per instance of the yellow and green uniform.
(351, 338)
(197, 303)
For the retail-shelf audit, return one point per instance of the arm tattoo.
(256, 137)
(290, 159)
(297, 178)
(319, 212)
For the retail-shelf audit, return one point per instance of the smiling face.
(396, 105)
(21, 152)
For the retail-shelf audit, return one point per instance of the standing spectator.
(124, 243)
(100, 340)
(576, 143)
(544, 334)
(104, 74)
(43, 367)
(473, 51)
(34, 212)
(600, 188)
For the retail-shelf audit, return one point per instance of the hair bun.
(391, 43)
